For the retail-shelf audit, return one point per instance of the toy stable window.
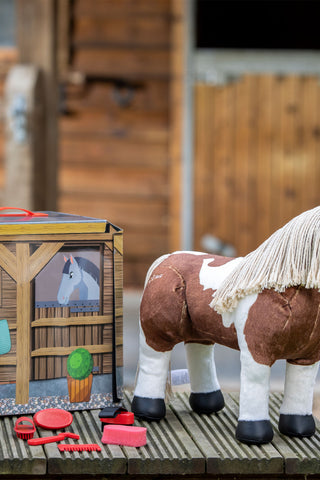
(257, 24)
(71, 279)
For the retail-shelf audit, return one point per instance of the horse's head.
(71, 278)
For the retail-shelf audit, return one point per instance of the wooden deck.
(182, 444)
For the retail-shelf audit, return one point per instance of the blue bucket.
(5, 340)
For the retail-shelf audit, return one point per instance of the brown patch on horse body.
(285, 326)
(175, 308)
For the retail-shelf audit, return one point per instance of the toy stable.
(41, 331)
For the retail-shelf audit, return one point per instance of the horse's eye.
(70, 274)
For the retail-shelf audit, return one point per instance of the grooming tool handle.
(55, 438)
(23, 213)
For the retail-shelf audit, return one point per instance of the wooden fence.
(257, 156)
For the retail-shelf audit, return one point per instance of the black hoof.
(297, 425)
(149, 409)
(254, 432)
(206, 402)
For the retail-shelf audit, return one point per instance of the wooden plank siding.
(114, 158)
(257, 146)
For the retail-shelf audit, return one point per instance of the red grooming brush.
(123, 418)
(55, 438)
(124, 435)
(24, 430)
(80, 447)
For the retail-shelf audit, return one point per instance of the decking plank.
(169, 450)
(87, 425)
(214, 435)
(15, 454)
(301, 455)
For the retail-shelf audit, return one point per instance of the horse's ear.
(65, 258)
(71, 258)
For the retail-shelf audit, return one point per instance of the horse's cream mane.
(290, 257)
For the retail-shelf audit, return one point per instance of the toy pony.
(266, 304)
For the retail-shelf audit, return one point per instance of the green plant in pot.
(79, 368)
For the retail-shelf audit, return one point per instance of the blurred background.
(191, 124)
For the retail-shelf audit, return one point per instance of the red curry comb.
(80, 447)
(24, 430)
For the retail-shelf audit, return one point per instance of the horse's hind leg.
(206, 396)
(152, 377)
(296, 410)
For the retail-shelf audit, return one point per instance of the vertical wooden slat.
(177, 69)
(50, 343)
(222, 157)
(23, 324)
(264, 139)
(287, 164)
(202, 147)
(243, 163)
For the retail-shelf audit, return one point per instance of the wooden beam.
(64, 351)
(8, 261)
(42, 256)
(36, 43)
(72, 321)
(24, 136)
(178, 8)
(23, 324)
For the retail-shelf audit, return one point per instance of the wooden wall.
(114, 155)
(257, 156)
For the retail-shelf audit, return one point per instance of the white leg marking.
(255, 377)
(298, 389)
(202, 369)
(153, 371)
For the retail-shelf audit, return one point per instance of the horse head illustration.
(79, 273)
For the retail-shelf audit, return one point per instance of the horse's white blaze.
(298, 389)
(255, 377)
(153, 371)
(202, 369)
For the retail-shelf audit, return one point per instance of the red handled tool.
(22, 213)
(55, 438)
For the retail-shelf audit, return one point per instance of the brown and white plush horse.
(266, 305)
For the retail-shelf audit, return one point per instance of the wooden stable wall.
(114, 144)
(257, 150)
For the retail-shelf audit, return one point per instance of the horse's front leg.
(296, 410)
(254, 426)
(206, 396)
(148, 401)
